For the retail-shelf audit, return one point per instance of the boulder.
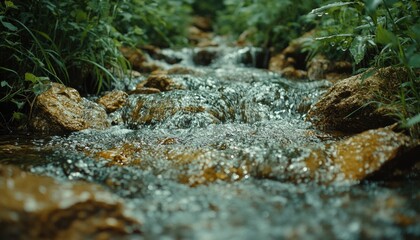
(373, 152)
(351, 104)
(113, 100)
(49, 209)
(61, 109)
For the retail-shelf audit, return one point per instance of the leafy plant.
(270, 23)
(379, 33)
(76, 42)
(159, 22)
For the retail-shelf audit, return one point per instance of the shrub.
(379, 33)
(269, 22)
(159, 22)
(76, 42)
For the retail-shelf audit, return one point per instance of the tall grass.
(76, 42)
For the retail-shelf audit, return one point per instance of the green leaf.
(385, 37)
(39, 88)
(31, 77)
(18, 116)
(18, 103)
(8, 25)
(414, 61)
(358, 49)
(4, 84)
(10, 4)
(372, 5)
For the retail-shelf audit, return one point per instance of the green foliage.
(379, 33)
(160, 22)
(207, 8)
(76, 42)
(269, 22)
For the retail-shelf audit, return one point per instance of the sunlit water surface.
(192, 161)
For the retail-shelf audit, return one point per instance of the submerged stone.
(39, 207)
(162, 82)
(61, 109)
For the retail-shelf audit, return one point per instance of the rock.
(39, 207)
(367, 155)
(159, 81)
(138, 60)
(360, 156)
(202, 23)
(350, 104)
(158, 54)
(113, 100)
(200, 38)
(291, 63)
(144, 90)
(204, 57)
(322, 68)
(60, 109)
(184, 71)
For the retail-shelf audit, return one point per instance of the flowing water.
(221, 158)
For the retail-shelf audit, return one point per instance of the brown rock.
(183, 70)
(360, 156)
(113, 100)
(162, 82)
(199, 37)
(322, 68)
(350, 106)
(204, 57)
(291, 63)
(39, 207)
(202, 23)
(60, 109)
(138, 60)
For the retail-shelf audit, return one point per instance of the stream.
(220, 156)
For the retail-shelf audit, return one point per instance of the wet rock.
(39, 207)
(61, 109)
(162, 82)
(200, 38)
(138, 60)
(202, 23)
(322, 68)
(159, 54)
(366, 155)
(205, 56)
(183, 71)
(144, 90)
(179, 109)
(361, 156)
(113, 100)
(350, 105)
(291, 63)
